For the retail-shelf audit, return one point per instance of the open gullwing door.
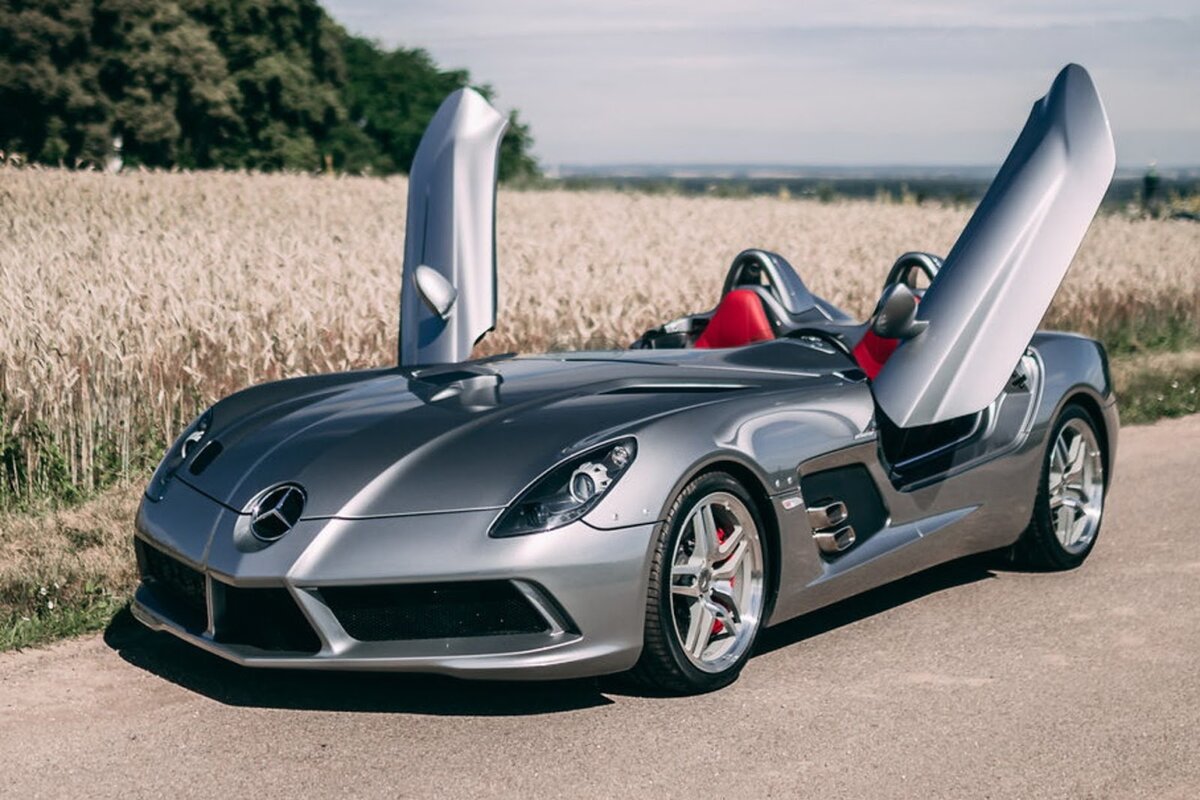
(998, 280)
(448, 289)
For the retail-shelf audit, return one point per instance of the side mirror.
(437, 292)
(896, 314)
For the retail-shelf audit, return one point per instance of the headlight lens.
(185, 446)
(568, 491)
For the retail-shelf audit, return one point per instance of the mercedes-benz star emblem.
(276, 511)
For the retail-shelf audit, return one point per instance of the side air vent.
(846, 508)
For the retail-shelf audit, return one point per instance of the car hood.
(461, 437)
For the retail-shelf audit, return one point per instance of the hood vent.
(206, 456)
(677, 388)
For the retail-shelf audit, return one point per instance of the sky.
(812, 82)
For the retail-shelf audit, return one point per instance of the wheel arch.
(758, 492)
(1089, 403)
(1077, 371)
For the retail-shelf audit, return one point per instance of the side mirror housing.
(437, 292)
(896, 314)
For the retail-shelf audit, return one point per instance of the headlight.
(185, 446)
(567, 492)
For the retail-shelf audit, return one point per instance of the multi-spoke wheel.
(1070, 501)
(707, 589)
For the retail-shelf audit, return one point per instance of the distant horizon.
(844, 82)
(817, 170)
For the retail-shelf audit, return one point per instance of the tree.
(390, 96)
(516, 160)
(52, 108)
(284, 56)
(264, 84)
(164, 85)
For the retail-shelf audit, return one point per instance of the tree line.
(255, 84)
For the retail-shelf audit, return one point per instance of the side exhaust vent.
(826, 518)
(846, 509)
(827, 514)
(835, 541)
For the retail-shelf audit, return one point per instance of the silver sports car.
(649, 510)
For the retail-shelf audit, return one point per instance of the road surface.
(966, 681)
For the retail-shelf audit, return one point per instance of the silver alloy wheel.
(717, 582)
(1076, 486)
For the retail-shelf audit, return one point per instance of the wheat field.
(129, 301)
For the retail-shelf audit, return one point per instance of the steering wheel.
(907, 268)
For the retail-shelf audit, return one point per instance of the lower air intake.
(433, 610)
(177, 588)
(268, 619)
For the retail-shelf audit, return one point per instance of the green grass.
(66, 570)
(1151, 331)
(34, 471)
(70, 618)
(1153, 386)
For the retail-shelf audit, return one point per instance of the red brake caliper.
(718, 626)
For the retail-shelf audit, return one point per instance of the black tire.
(1039, 548)
(664, 667)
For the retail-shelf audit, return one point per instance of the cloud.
(816, 82)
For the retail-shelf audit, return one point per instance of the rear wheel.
(707, 589)
(1070, 501)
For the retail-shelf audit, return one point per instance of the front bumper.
(586, 585)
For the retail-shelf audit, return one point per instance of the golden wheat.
(128, 301)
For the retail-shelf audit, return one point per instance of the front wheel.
(707, 589)
(1070, 501)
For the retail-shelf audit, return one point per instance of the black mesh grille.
(433, 610)
(178, 588)
(268, 619)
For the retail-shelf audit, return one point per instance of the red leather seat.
(873, 351)
(739, 320)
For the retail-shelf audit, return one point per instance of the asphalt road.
(966, 681)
